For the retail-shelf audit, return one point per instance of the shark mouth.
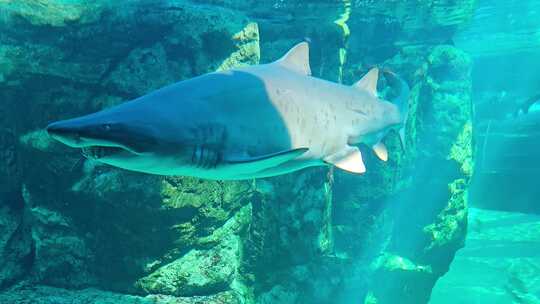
(98, 152)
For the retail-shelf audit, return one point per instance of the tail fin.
(402, 102)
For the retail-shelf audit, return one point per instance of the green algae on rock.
(54, 13)
(458, 134)
(211, 268)
(198, 272)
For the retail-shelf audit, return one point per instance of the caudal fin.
(401, 101)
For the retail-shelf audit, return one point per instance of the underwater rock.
(10, 171)
(61, 257)
(131, 76)
(290, 240)
(39, 140)
(16, 250)
(401, 276)
(53, 13)
(248, 49)
(180, 56)
(198, 272)
(15, 241)
(439, 134)
(279, 294)
(209, 269)
(220, 209)
(440, 125)
(499, 263)
(36, 60)
(46, 295)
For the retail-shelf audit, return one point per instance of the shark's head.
(117, 138)
(103, 136)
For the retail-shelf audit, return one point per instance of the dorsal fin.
(297, 59)
(369, 82)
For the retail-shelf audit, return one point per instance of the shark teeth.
(97, 152)
(93, 152)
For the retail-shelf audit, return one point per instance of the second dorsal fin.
(369, 81)
(297, 59)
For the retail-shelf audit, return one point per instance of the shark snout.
(98, 130)
(65, 133)
(88, 131)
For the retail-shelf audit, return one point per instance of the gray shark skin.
(259, 121)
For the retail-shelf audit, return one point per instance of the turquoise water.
(451, 216)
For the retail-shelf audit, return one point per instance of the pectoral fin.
(381, 151)
(348, 159)
(245, 165)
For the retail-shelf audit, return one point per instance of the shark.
(251, 122)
